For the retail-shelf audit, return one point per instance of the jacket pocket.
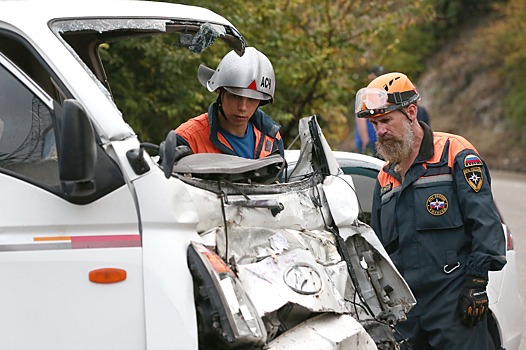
(436, 204)
(389, 234)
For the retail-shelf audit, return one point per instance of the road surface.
(509, 191)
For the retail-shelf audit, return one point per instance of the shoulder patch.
(386, 188)
(268, 145)
(472, 160)
(474, 177)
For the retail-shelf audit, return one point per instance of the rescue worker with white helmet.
(434, 213)
(234, 124)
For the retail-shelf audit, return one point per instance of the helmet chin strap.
(220, 104)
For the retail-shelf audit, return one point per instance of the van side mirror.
(77, 150)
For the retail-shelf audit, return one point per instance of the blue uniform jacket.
(441, 223)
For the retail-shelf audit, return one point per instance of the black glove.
(170, 153)
(473, 301)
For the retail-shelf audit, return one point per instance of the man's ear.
(412, 111)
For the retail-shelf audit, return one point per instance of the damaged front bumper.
(313, 273)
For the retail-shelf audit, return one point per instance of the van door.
(71, 273)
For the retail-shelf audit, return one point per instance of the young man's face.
(238, 109)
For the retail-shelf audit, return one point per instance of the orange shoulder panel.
(196, 132)
(456, 145)
(385, 179)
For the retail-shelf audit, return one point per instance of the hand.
(473, 300)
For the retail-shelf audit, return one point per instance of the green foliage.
(321, 51)
(515, 61)
(155, 84)
(505, 52)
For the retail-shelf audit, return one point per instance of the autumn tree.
(321, 51)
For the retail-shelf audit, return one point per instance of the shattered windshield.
(81, 35)
(147, 66)
(196, 36)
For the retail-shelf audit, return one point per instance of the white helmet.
(250, 75)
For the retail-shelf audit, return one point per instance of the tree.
(321, 52)
(154, 83)
(511, 50)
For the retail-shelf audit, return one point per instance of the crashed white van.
(109, 243)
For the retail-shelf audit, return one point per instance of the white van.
(104, 245)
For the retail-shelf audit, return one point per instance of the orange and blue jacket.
(202, 134)
(440, 223)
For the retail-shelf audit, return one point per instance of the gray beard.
(397, 149)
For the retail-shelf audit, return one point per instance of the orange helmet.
(384, 94)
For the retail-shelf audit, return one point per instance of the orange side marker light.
(107, 275)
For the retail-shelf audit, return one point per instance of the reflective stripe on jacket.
(441, 221)
(202, 136)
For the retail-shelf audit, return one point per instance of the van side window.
(31, 99)
(27, 135)
(19, 52)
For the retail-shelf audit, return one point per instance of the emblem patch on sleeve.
(268, 146)
(472, 160)
(437, 204)
(474, 178)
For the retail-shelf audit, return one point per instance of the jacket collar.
(213, 120)
(427, 147)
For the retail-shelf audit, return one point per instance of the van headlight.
(225, 313)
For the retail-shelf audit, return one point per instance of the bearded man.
(434, 213)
